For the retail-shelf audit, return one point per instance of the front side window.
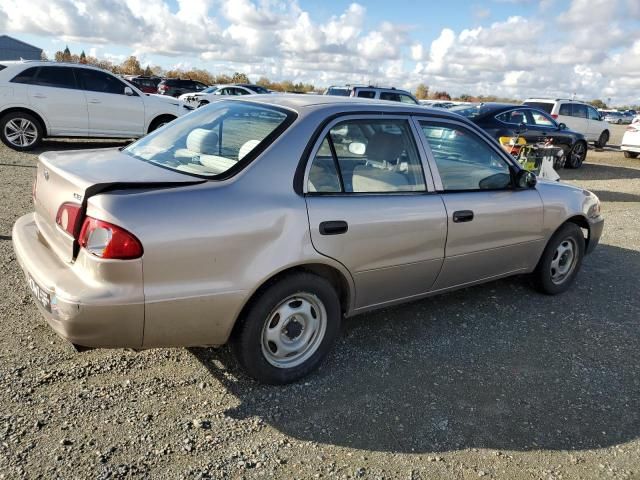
(96, 81)
(407, 99)
(392, 96)
(514, 117)
(541, 120)
(257, 89)
(27, 76)
(213, 141)
(593, 114)
(57, 77)
(367, 156)
(464, 160)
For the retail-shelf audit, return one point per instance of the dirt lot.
(495, 381)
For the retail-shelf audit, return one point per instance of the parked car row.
(216, 92)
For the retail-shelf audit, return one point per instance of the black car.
(535, 126)
(177, 86)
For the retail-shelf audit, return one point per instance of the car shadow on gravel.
(597, 171)
(497, 366)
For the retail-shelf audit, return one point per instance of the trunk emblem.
(46, 174)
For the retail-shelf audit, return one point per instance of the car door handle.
(462, 216)
(94, 100)
(334, 227)
(39, 95)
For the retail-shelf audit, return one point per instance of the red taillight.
(554, 116)
(68, 217)
(106, 240)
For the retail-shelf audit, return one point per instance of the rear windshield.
(215, 141)
(544, 106)
(339, 91)
(472, 111)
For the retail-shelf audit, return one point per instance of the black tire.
(19, 119)
(630, 154)
(603, 139)
(559, 162)
(577, 155)
(544, 274)
(247, 342)
(160, 121)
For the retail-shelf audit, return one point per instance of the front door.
(111, 111)
(370, 209)
(494, 229)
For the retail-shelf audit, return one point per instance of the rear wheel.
(577, 155)
(630, 154)
(560, 261)
(288, 329)
(21, 131)
(160, 122)
(603, 139)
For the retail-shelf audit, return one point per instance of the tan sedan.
(263, 222)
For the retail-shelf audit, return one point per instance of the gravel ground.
(495, 381)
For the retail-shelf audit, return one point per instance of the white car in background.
(46, 99)
(218, 92)
(577, 116)
(631, 139)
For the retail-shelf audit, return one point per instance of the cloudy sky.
(515, 48)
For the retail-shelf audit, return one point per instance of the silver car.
(264, 222)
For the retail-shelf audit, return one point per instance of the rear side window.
(407, 99)
(366, 94)
(26, 76)
(394, 97)
(544, 106)
(367, 156)
(96, 81)
(58, 77)
(579, 110)
(565, 109)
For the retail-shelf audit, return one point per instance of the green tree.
(441, 96)
(147, 71)
(422, 92)
(66, 54)
(131, 66)
(83, 57)
(240, 78)
(598, 103)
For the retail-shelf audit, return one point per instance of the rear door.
(54, 91)
(111, 111)
(372, 208)
(494, 229)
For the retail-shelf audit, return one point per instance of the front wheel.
(288, 329)
(577, 155)
(20, 131)
(560, 261)
(630, 154)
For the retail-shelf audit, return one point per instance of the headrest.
(203, 141)
(246, 148)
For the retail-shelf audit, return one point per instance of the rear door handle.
(39, 95)
(462, 216)
(333, 227)
(93, 100)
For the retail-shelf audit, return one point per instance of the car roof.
(306, 104)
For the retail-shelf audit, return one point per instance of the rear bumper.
(92, 303)
(595, 232)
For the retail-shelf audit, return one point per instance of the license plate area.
(39, 294)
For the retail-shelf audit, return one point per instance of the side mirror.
(562, 126)
(526, 179)
(357, 148)
(128, 91)
(522, 127)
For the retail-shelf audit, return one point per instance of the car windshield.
(209, 90)
(257, 88)
(544, 106)
(339, 91)
(213, 141)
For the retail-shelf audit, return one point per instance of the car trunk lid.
(75, 176)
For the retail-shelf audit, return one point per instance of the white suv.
(45, 99)
(577, 116)
(392, 94)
